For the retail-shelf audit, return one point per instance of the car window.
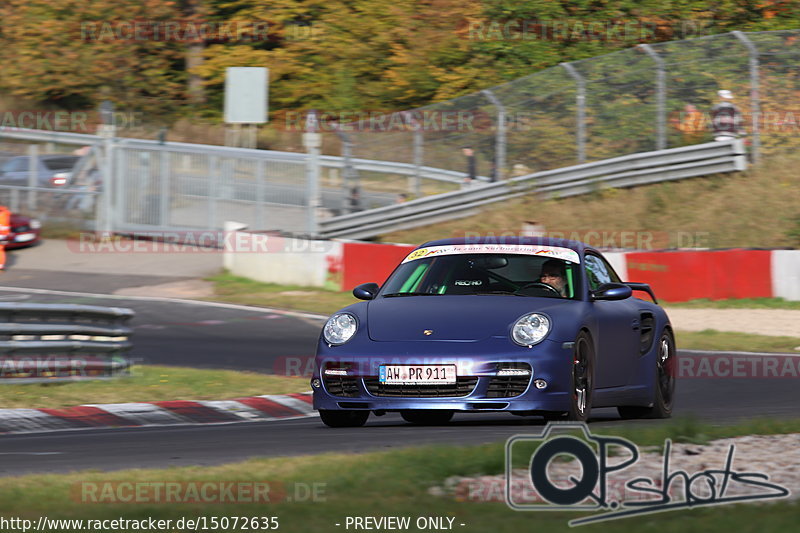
(60, 163)
(17, 164)
(598, 272)
(467, 274)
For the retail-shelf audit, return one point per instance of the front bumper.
(21, 239)
(479, 387)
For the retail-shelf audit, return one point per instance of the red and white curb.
(166, 413)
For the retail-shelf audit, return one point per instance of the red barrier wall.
(687, 275)
(675, 276)
(364, 262)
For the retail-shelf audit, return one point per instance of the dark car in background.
(5, 156)
(54, 170)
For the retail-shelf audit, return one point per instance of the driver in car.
(554, 274)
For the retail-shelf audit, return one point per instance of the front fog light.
(514, 372)
(316, 383)
(540, 384)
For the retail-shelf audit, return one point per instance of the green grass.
(710, 339)
(61, 231)
(235, 289)
(148, 384)
(390, 483)
(743, 303)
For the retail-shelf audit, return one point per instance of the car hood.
(451, 318)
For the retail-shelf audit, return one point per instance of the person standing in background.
(691, 125)
(469, 153)
(5, 231)
(726, 119)
(354, 201)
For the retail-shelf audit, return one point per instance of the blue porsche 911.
(531, 326)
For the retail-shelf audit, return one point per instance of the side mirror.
(366, 291)
(612, 291)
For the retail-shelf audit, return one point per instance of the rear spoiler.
(643, 287)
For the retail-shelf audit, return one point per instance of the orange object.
(5, 231)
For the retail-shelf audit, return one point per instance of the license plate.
(417, 374)
(25, 237)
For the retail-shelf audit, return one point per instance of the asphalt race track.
(722, 401)
(207, 336)
(201, 335)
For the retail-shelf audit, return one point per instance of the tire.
(343, 419)
(427, 417)
(664, 394)
(582, 379)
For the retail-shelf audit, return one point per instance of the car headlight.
(530, 329)
(339, 328)
(35, 224)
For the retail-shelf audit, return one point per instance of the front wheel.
(664, 386)
(343, 419)
(582, 381)
(432, 417)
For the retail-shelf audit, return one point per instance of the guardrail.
(55, 342)
(627, 171)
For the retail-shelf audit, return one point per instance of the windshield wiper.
(490, 293)
(391, 294)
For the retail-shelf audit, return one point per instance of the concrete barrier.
(288, 261)
(785, 272)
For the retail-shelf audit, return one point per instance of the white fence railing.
(144, 185)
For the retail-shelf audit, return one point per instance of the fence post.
(33, 174)
(500, 137)
(755, 99)
(580, 103)
(213, 177)
(14, 200)
(164, 201)
(312, 142)
(118, 162)
(419, 144)
(661, 97)
(349, 173)
(109, 183)
(261, 177)
(417, 141)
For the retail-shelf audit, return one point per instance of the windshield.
(60, 163)
(479, 274)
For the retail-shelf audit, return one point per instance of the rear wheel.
(343, 419)
(431, 417)
(664, 386)
(582, 389)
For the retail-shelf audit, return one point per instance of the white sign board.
(246, 91)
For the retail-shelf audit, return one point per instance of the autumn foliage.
(338, 55)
